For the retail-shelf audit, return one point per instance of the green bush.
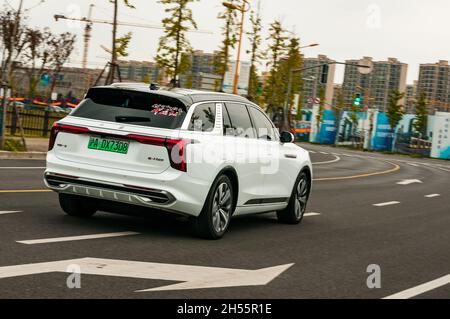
(13, 146)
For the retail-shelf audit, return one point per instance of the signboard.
(327, 133)
(244, 77)
(441, 136)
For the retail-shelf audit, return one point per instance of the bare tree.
(61, 47)
(36, 56)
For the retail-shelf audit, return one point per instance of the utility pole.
(113, 65)
(7, 76)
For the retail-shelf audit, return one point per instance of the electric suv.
(207, 156)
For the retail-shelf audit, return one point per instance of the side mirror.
(287, 137)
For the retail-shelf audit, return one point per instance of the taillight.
(57, 128)
(158, 141)
(175, 148)
(177, 153)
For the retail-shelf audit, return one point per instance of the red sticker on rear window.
(166, 110)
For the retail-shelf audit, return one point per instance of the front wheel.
(293, 214)
(215, 217)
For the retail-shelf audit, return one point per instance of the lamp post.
(245, 7)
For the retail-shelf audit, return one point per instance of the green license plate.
(108, 145)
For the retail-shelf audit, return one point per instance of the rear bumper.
(171, 191)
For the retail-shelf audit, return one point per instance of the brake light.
(175, 147)
(57, 128)
(177, 153)
(158, 141)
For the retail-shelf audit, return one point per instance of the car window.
(132, 107)
(240, 120)
(227, 127)
(204, 118)
(264, 128)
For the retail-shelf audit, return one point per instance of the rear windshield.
(132, 107)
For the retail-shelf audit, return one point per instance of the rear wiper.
(130, 119)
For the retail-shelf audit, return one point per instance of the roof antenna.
(154, 87)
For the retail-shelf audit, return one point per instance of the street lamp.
(245, 7)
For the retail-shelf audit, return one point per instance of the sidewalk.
(35, 144)
(36, 149)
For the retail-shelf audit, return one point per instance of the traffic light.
(358, 100)
(324, 75)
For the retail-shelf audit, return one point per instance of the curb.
(23, 155)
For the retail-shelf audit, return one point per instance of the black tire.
(293, 214)
(214, 219)
(77, 206)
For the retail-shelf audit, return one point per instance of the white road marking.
(324, 153)
(191, 277)
(74, 238)
(421, 289)
(311, 214)
(432, 195)
(9, 212)
(412, 164)
(312, 152)
(410, 181)
(337, 159)
(386, 204)
(26, 168)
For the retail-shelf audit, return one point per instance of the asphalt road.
(407, 235)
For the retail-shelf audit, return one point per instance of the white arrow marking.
(9, 212)
(192, 277)
(418, 290)
(410, 181)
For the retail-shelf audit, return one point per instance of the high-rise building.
(376, 86)
(312, 81)
(411, 97)
(139, 71)
(434, 80)
(202, 74)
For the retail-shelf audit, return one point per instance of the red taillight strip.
(175, 147)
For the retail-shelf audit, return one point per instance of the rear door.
(243, 144)
(125, 130)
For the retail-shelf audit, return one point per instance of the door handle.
(293, 156)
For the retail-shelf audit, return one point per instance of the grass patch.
(13, 146)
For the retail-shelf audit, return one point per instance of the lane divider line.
(10, 191)
(337, 159)
(311, 214)
(386, 204)
(395, 168)
(75, 238)
(26, 168)
(10, 212)
(421, 289)
(432, 195)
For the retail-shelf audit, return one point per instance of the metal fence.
(35, 123)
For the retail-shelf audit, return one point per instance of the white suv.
(204, 155)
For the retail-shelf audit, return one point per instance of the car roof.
(187, 96)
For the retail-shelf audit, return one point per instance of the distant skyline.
(414, 31)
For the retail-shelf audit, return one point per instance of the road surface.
(366, 209)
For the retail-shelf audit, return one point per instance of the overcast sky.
(415, 31)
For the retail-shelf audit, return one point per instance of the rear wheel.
(77, 206)
(215, 217)
(293, 214)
